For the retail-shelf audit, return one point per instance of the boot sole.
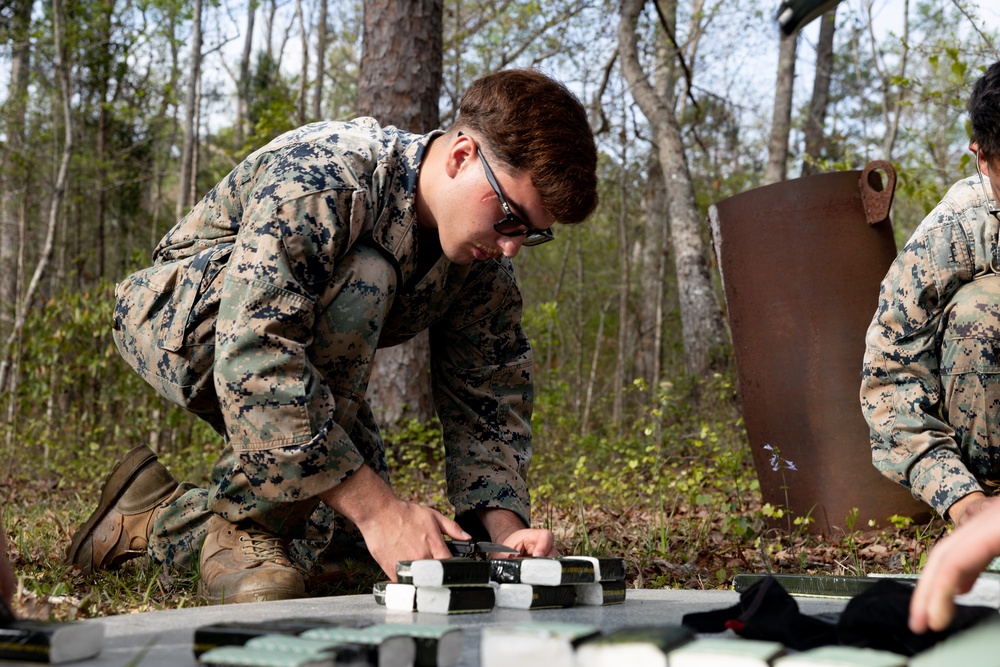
(116, 482)
(282, 594)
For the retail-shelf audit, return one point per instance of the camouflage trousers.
(969, 363)
(165, 329)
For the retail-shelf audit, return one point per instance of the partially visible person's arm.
(969, 506)
(482, 372)
(394, 529)
(506, 528)
(953, 566)
(7, 583)
(901, 393)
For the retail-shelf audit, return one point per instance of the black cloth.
(874, 619)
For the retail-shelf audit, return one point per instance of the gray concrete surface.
(163, 638)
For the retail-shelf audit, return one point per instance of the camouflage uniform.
(930, 388)
(264, 307)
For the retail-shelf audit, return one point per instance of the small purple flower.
(777, 461)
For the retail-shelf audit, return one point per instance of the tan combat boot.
(118, 530)
(246, 564)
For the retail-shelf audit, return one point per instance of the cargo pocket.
(512, 385)
(165, 326)
(969, 366)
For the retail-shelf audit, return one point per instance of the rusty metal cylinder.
(801, 263)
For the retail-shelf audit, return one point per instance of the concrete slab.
(163, 638)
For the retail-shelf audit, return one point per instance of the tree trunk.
(701, 317)
(401, 63)
(656, 213)
(814, 136)
(58, 193)
(781, 125)
(652, 275)
(625, 281)
(321, 34)
(12, 181)
(243, 84)
(190, 128)
(399, 84)
(192, 189)
(304, 72)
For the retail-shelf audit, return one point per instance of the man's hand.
(393, 529)
(968, 506)
(534, 542)
(953, 566)
(506, 528)
(407, 531)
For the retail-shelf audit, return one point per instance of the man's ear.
(461, 148)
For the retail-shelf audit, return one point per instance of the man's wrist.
(360, 497)
(960, 506)
(500, 522)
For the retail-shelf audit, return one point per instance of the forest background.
(119, 114)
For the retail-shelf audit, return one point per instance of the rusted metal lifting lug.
(876, 196)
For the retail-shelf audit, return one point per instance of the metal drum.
(801, 263)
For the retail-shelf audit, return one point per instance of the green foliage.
(78, 405)
(655, 451)
(272, 102)
(415, 456)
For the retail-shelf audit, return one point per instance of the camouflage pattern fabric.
(262, 312)
(930, 387)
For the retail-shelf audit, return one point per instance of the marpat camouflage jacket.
(284, 216)
(901, 391)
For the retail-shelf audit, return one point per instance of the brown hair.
(984, 112)
(534, 124)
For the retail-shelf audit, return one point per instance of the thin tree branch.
(679, 52)
(975, 26)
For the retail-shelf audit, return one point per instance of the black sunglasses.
(512, 224)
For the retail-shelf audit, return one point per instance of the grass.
(676, 496)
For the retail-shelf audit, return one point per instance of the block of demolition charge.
(635, 647)
(437, 645)
(341, 653)
(605, 569)
(726, 653)
(238, 633)
(601, 593)
(386, 648)
(241, 656)
(50, 642)
(396, 597)
(444, 572)
(541, 571)
(528, 596)
(853, 656)
(548, 644)
(455, 599)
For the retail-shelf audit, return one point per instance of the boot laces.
(261, 547)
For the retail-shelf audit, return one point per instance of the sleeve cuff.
(942, 483)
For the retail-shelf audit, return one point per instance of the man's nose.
(510, 245)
